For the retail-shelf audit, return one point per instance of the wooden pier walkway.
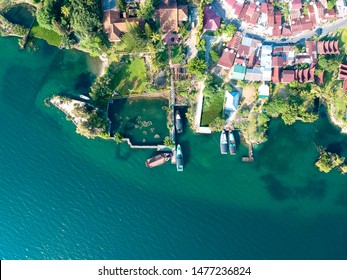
(250, 157)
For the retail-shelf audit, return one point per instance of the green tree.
(197, 66)
(214, 55)
(121, 5)
(328, 161)
(168, 142)
(327, 63)
(331, 4)
(44, 15)
(146, 10)
(227, 30)
(217, 124)
(118, 137)
(133, 40)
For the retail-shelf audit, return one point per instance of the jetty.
(250, 157)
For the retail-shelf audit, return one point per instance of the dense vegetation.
(328, 161)
(94, 122)
(294, 102)
(79, 20)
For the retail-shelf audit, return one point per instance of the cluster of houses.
(247, 58)
(169, 14)
(264, 17)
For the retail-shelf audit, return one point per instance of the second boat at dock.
(232, 143)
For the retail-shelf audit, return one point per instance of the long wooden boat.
(158, 160)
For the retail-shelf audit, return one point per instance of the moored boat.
(232, 143)
(179, 158)
(84, 97)
(178, 123)
(223, 143)
(158, 160)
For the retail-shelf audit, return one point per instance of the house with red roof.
(295, 5)
(211, 20)
(311, 50)
(288, 76)
(319, 11)
(277, 61)
(328, 47)
(276, 75)
(312, 14)
(330, 14)
(227, 59)
(343, 71)
(235, 41)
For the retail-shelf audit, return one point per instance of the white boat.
(178, 123)
(223, 143)
(84, 97)
(179, 158)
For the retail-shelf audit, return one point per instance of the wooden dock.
(250, 157)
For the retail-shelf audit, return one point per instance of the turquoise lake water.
(66, 197)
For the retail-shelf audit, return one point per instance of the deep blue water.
(66, 197)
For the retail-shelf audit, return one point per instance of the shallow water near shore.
(67, 197)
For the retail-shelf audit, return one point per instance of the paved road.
(209, 41)
(191, 41)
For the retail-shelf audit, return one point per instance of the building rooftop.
(211, 20)
(227, 59)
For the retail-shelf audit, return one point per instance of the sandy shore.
(104, 65)
(336, 122)
(67, 106)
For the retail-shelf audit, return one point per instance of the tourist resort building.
(115, 24)
(265, 18)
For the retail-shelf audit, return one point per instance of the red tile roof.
(263, 8)
(320, 10)
(232, 3)
(288, 76)
(235, 41)
(277, 61)
(311, 49)
(328, 47)
(238, 8)
(286, 31)
(276, 75)
(243, 51)
(312, 14)
(276, 31)
(240, 60)
(227, 59)
(320, 78)
(252, 60)
(211, 20)
(278, 17)
(296, 26)
(271, 20)
(330, 14)
(296, 4)
(344, 86)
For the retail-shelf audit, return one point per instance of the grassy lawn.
(177, 54)
(49, 36)
(212, 110)
(132, 77)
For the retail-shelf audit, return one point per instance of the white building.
(266, 62)
(231, 104)
(341, 7)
